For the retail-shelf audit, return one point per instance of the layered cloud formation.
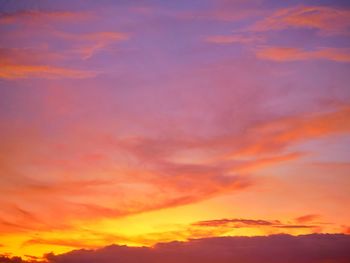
(139, 122)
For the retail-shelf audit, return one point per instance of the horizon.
(147, 122)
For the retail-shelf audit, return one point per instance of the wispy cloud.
(327, 20)
(307, 218)
(233, 223)
(21, 64)
(231, 39)
(90, 43)
(42, 17)
(18, 71)
(298, 54)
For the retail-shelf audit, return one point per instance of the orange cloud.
(327, 20)
(152, 182)
(306, 218)
(258, 163)
(294, 54)
(279, 134)
(346, 230)
(59, 203)
(71, 243)
(138, 169)
(200, 229)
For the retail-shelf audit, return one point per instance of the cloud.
(295, 226)
(200, 229)
(281, 54)
(22, 63)
(227, 11)
(231, 39)
(346, 230)
(307, 218)
(281, 133)
(222, 15)
(258, 163)
(71, 243)
(149, 188)
(327, 20)
(42, 17)
(18, 71)
(152, 179)
(249, 223)
(8, 259)
(313, 248)
(91, 43)
(225, 222)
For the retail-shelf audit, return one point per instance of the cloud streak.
(92, 43)
(281, 54)
(22, 64)
(42, 17)
(327, 20)
(231, 39)
(18, 71)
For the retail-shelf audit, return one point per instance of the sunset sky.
(140, 122)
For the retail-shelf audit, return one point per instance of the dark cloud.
(273, 249)
(312, 248)
(225, 222)
(295, 226)
(5, 259)
(240, 222)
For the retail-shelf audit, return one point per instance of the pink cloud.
(327, 20)
(90, 43)
(21, 64)
(295, 54)
(18, 71)
(42, 17)
(230, 39)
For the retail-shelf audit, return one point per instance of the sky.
(144, 122)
